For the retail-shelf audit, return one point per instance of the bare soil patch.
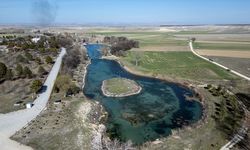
(225, 53)
(241, 65)
(162, 48)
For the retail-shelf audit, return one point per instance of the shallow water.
(160, 107)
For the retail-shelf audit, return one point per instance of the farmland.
(177, 64)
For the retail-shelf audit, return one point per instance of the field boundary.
(211, 61)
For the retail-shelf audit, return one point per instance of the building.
(29, 105)
(35, 40)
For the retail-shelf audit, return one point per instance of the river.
(160, 107)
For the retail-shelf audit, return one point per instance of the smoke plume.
(44, 12)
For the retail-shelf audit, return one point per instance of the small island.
(120, 87)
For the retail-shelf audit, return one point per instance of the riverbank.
(120, 87)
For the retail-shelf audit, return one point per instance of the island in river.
(120, 87)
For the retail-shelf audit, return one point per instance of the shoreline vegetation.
(120, 87)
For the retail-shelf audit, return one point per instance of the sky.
(148, 12)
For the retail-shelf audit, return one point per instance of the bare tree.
(137, 57)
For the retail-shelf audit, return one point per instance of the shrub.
(3, 70)
(9, 74)
(21, 59)
(48, 60)
(27, 72)
(63, 83)
(35, 86)
(28, 56)
(19, 70)
(38, 60)
(41, 71)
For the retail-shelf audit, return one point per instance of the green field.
(176, 64)
(222, 46)
(148, 38)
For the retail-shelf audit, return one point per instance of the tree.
(63, 82)
(193, 39)
(21, 59)
(48, 60)
(19, 70)
(75, 89)
(28, 56)
(27, 72)
(3, 70)
(137, 57)
(38, 60)
(9, 74)
(35, 86)
(41, 71)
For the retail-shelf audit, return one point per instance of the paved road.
(14, 121)
(236, 139)
(224, 67)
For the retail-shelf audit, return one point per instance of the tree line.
(119, 45)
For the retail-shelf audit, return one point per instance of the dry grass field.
(225, 53)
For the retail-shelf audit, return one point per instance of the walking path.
(14, 121)
(224, 67)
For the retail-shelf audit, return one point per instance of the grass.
(119, 86)
(148, 38)
(222, 46)
(180, 64)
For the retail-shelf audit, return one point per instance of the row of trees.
(8, 74)
(28, 57)
(73, 58)
(228, 112)
(119, 45)
(20, 72)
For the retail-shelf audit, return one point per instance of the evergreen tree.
(3, 70)
(27, 72)
(19, 70)
(35, 86)
(9, 74)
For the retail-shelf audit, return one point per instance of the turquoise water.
(160, 107)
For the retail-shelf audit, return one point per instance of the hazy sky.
(125, 11)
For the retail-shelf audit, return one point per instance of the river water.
(160, 107)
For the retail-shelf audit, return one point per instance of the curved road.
(224, 67)
(14, 121)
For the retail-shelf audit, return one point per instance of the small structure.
(57, 102)
(35, 40)
(4, 48)
(18, 103)
(29, 105)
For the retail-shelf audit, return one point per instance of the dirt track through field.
(225, 53)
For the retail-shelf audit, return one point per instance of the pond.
(160, 107)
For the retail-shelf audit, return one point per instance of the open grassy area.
(177, 64)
